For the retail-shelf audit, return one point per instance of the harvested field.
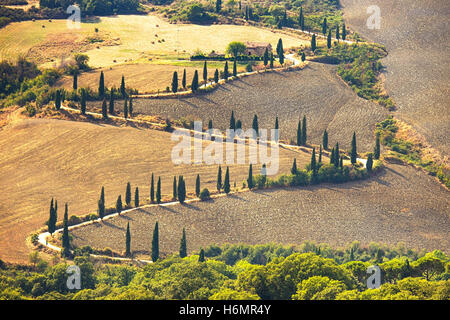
(332, 214)
(416, 36)
(71, 161)
(315, 91)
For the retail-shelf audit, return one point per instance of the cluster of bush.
(309, 272)
(223, 57)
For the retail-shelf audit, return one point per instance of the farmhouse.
(257, 48)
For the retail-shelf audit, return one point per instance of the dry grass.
(71, 161)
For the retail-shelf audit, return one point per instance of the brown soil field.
(70, 161)
(144, 77)
(416, 36)
(315, 91)
(385, 209)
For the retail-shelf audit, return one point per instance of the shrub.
(205, 195)
(74, 220)
(91, 217)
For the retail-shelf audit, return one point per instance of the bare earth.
(388, 209)
(71, 161)
(416, 36)
(316, 92)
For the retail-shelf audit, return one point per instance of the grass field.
(135, 33)
(71, 161)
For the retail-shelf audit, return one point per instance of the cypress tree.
(155, 243)
(111, 101)
(158, 191)
(210, 125)
(294, 167)
(136, 197)
(183, 81)
(313, 43)
(353, 153)
(338, 35)
(201, 257)
(324, 26)
(337, 154)
(119, 204)
(232, 121)
(276, 128)
(226, 184)
(58, 99)
(376, 150)
(51, 224)
(216, 76)
(271, 61)
(183, 245)
(65, 236)
(234, 67)
(219, 179)
(280, 51)
(218, 5)
(369, 163)
(341, 162)
(194, 85)
(83, 102)
(304, 131)
(299, 133)
(303, 56)
(104, 109)
(250, 177)
(332, 156)
(174, 189)
(101, 204)
(238, 124)
(101, 86)
(266, 57)
(152, 190)
(175, 82)
(128, 241)
(325, 140)
(181, 189)
(225, 71)
(197, 186)
(75, 81)
(344, 32)
(313, 166)
(128, 194)
(56, 209)
(320, 156)
(205, 72)
(255, 125)
(125, 108)
(329, 40)
(122, 88)
(301, 20)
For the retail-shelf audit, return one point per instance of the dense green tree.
(250, 177)
(183, 81)
(428, 266)
(174, 188)
(128, 241)
(325, 140)
(226, 183)
(181, 189)
(201, 257)
(119, 204)
(280, 51)
(235, 48)
(58, 99)
(111, 101)
(158, 191)
(216, 76)
(136, 197)
(353, 152)
(313, 43)
(205, 72)
(128, 194)
(155, 243)
(194, 85)
(174, 85)
(197, 186)
(152, 190)
(341, 162)
(183, 245)
(376, 150)
(123, 91)
(104, 109)
(332, 156)
(219, 178)
(329, 40)
(101, 86)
